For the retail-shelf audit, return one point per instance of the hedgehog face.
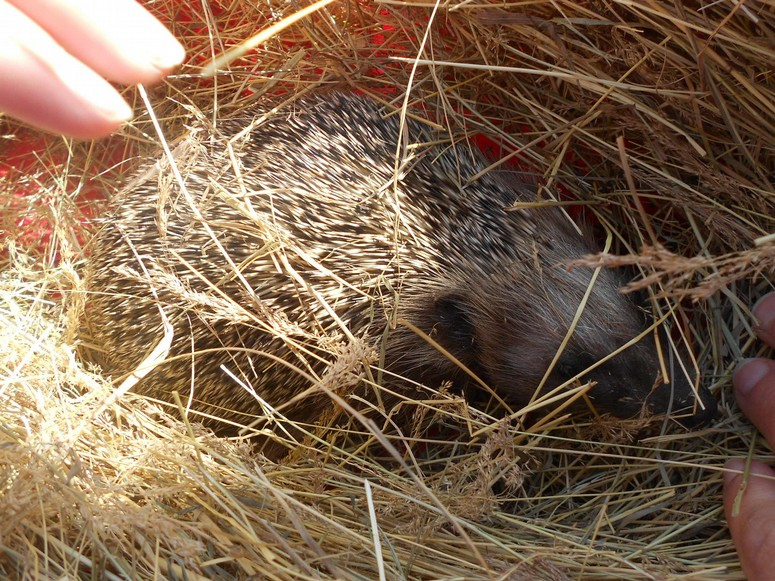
(631, 382)
(511, 340)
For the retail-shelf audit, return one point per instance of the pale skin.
(753, 527)
(55, 57)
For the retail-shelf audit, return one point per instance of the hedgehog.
(285, 232)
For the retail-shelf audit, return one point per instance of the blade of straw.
(236, 52)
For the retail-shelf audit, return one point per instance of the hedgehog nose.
(682, 405)
(686, 410)
(704, 414)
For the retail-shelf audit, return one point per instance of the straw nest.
(658, 117)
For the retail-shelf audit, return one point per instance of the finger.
(43, 85)
(764, 313)
(754, 382)
(119, 39)
(754, 379)
(753, 527)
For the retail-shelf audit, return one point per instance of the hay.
(658, 116)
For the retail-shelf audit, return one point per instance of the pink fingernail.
(732, 469)
(748, 373)
(764, 311)
(169, 54)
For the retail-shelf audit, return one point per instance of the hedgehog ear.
(454, 328)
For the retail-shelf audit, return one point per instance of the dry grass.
(659, 116)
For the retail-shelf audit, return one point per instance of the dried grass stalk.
(657, 117)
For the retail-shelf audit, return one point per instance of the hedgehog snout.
(636, 385)
(683, 398)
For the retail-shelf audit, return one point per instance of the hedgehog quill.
(295, 230)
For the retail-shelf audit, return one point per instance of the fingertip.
(86, 128)
(754, 384)
(732, 470)
(78, 122)
(120, 40)
(749, 505)
(735, 470)
(149, 56)
(169, 55)
(764, 315)
(43, 85)
(68, 99)
(749, 373)
(144, 61)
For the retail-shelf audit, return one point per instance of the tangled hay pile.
(658, 118)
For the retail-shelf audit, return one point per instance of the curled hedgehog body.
(296, 229)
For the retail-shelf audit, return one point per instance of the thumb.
(749, 505)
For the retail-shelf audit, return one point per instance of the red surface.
(31, 207)
(34, 174)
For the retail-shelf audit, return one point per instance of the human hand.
(55, 53)
(753, 529)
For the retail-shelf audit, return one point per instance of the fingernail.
(748, 373)
(111, 104)
(764, 311)
(99, 95)
(732, 470)
(168, 54)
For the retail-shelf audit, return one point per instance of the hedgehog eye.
(453, 323)
(573, 364)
